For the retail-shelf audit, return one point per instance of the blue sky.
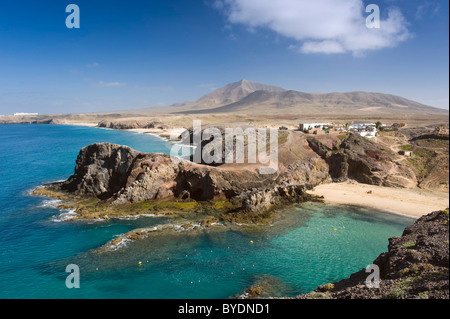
(137, 53)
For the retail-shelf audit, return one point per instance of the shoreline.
(80, 124)
(413, 203)
(164, 135)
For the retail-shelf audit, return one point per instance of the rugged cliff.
(110, 176)
(119, 173)
(355, 157)
(132, 124)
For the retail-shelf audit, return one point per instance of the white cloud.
(111, 84)
(327, 46)
(325, 26)
(427, 9)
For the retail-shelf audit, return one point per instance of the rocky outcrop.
(357, 158)
(415, 266)
(430, 160)
(264, 286)
(131, 124)
(101, 170)
(119, 175)
(256, 200)
(253, 204)
(33, 120)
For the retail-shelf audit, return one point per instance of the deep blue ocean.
(312, 245)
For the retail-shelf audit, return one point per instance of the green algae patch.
(91, 207)
(86, 207)
(182, 205)
(240, 216)
(223, 205)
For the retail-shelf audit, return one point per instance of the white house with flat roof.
(366, 130)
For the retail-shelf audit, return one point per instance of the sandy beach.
(81, 124)
(410, 202)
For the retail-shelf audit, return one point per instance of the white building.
(364, 126)
(368, 134)
(366, 130)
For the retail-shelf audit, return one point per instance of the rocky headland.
(113, 180)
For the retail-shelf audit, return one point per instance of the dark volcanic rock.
(101, 170)
(121, 175)
(362, 160)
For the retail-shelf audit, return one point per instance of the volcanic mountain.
(250, 97)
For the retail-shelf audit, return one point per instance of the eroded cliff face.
(132, 124)
(355, 157)
(119, 175)
(101, 170)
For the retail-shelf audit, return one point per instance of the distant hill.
(231, 93)
(246, 96)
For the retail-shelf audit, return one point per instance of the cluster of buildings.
(368, 130)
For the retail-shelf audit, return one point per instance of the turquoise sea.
(312, 244)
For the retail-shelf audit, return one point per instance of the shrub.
(318, 295)
(395, 294)
(409, 245)
(328, 287)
